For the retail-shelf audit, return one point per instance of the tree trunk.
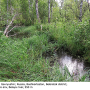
(29, 5)
(37, 13)
(48, 11)
(80, 16)
(61, 4)
(88, 5)
(51, 10)
(6, 30)
(7, 12)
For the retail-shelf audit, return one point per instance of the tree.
(52, 4)
(43, 10)
(81, 5)
(62, 1)
(10, 14)
(7, 12)
(48, 11)
(37, 13)
(29, 5)
(6, 32)
(51, 8)
(24, 11)
(88, 4)
(73, 9)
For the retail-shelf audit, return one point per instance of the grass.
(22, 57)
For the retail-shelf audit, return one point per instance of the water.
(75, 66)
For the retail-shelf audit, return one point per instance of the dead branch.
(11, 30)
(13, 35)
(6, 30)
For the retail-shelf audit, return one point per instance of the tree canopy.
(26, 10)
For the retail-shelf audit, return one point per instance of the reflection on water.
(75, 66)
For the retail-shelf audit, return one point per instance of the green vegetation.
(22, 57)
(32, 29)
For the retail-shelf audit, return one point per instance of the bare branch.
(12, 35)
(12, 28)
(6, 30)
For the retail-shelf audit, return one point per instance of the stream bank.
(75, 67)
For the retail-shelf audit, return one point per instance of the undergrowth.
(21, 57)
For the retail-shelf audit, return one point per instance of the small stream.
(75, 66)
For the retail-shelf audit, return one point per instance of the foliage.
(22, 59)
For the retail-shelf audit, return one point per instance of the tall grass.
(21, 57)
